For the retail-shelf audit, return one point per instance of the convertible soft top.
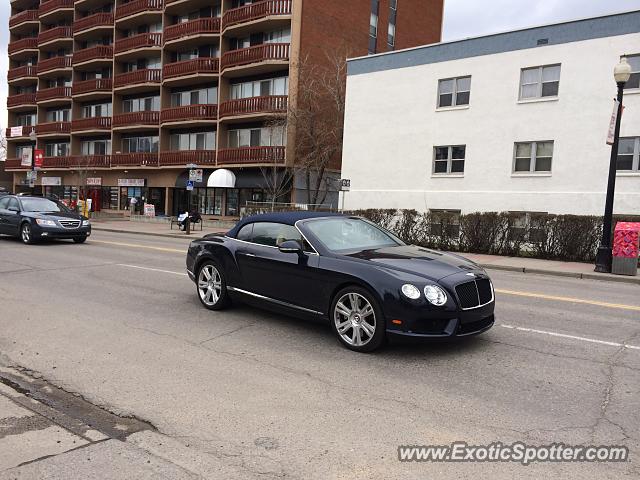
(288, 218)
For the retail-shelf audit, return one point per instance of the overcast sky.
(463, 18)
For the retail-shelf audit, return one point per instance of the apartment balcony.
(190, 114)
(251, 155)
(54, 64)
(265, 10)
(138, 8)
(24, 133)
(22, 101)
(175, 73)
(23, 46)
(54, 95)
(22, 75)
(53, 129)
(185, 157)
(138, 42)
(134, 160)
(24, 20)
(254, 106)
(54, 35)
(138, 80)
(259, 59)
(148, 119)
(55, 9)
(92, 89)
(100, 53)
(183, 32)
(95, 124)
(92, 22)
(77, 161)
(14, 164)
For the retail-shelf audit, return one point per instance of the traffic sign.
(190, 185)
(345, 184)
(195, 175)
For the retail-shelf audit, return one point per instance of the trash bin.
(625, 248)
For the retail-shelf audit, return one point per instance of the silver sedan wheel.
(355, 319)
(26, 233)
(209, 285)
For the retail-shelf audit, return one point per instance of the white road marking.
(572, 337)
(151, 269)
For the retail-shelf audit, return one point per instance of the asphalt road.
(118, 321)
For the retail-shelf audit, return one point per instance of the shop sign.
(131, 182)
(94, 181)
(149, 210)
(39, 159)
(15, 132)
(51, 181)
(26, 158)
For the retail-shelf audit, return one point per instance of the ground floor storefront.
(168, 191)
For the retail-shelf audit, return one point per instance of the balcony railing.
(93, 21)
(245, 155)
(185, 157)
(191, 67)
(52, 5)
(22, 17)
(101, 52)
(259, 53)
(54, 63)
(136, 118)
(138, 6)
(254, 105)
(144, 40)
(29, 43)
(147, 75)
(77, 161)
(189, 112)
(95, 123)
(25, 132)
(53, 94)
(14, 164)
(53, 128)
(56, 33)
(21, 99)
(95, 85)
(200, 26)
(22, 72)
(134, 159)
(256, 11)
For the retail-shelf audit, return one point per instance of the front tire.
(357, 320)
(26, 234)
(211, 285)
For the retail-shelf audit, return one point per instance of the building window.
(449, 159)
(391, 35)
(140, 144)
(393, 4)
(59, 115)
(96, 110)
(539, 82)
(634, 80)
(56, 149)
(629, 155)
(533, 157)
(373, 26)
(261, 88)
(95, 147)
(258, 137)
(203, 96)
(144, 104)
(454, 92)
(192, 141)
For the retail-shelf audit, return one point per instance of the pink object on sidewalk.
(626, 239)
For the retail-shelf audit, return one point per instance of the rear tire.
(26, 234)
(211, 285)
(80, 239)
(357, 320)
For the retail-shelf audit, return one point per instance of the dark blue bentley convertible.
(365, 281)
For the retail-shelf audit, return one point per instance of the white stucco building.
(515, 121)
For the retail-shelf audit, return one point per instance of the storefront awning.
(222, 178)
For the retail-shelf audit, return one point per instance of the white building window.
(56, 149)
(96, 147)
(531, 157)
(391, 34)
(449, 159)
(258, 137)
(454, 92)
(629, 155)
(193, 141)
(261, 88)
(373, 25)
(60, 115)
(539, 82)
(634, 81)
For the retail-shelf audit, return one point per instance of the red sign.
(39, 157)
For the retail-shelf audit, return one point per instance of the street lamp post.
(33, 137)
(621, 73)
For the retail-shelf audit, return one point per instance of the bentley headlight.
(86, 223)
(45, 223)
(436, 295)
(410, 291)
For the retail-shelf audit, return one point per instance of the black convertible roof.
(288, 218)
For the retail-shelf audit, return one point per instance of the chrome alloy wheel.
(26, 233)
(209, 285)
(355, 319)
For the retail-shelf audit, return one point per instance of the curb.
(149, 234)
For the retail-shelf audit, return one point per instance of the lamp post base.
(603, 260)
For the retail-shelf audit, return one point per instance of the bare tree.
(3, 146)
(317, 113)
(277, 180)
(83, 165)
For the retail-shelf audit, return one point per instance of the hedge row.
(548, 236)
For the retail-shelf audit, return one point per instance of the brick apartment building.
(128, 94)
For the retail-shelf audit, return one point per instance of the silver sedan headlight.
(435, 295)
(411, 291)
(86, 223)
(43, 222)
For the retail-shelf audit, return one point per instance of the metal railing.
(95, 85)
(258, 53)
(189, 112)
(143, 40)
(100, 52)
(54, 63)
(138, 6)
(256, 11)
(136, 118)
(253, 105)
(92, 21)
(250, 155)
(147, 75)
(185, 157)
(194, 27)
(191, 67)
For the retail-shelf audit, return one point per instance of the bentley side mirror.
(290, 246)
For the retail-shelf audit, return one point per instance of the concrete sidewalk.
(496, 262)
